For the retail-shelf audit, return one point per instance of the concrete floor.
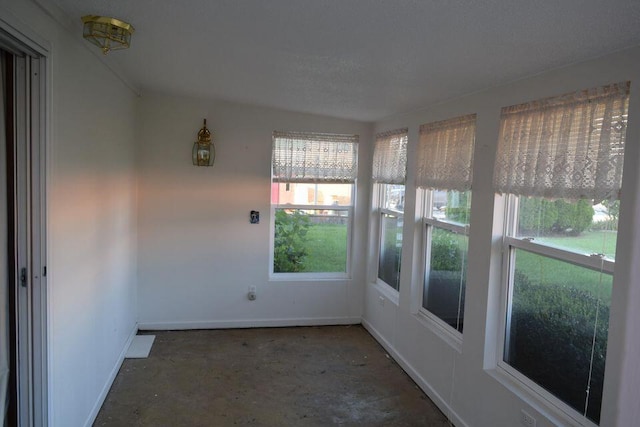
(307, 376)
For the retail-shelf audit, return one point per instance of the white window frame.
(448, 333)
(595, 262)
(380, 191)
(309, 276)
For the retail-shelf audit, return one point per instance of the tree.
(613, 208)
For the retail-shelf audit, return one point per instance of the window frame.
(510, 243)
(380, 190)
(311, 276)
(450, 334)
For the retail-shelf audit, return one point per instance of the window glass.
(311, 194)
(445, 281)
(557, 328)
(310, 240)
(448, 214)
(393, 198)
(451, 206)
(558, 308)
(390, 250)
(578, 226)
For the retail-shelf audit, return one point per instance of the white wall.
(92, 228)
(197, 252)
(464, 382)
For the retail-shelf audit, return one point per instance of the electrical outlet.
(381, 300)
(252, 293)
(526, 419)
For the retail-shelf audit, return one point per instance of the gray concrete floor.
(307, 376)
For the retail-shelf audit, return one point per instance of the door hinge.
(23, 276)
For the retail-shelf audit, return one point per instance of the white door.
(22, 230)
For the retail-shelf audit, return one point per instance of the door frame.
(34, 139)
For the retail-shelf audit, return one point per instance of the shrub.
(552, 329)
(537, 214)
(573, 218)
(460, 215)
(289, 249)
(542, 216)
(445, 251)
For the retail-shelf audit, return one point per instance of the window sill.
(450, 336)
(548, 406)
(387, 291)
(308, 277)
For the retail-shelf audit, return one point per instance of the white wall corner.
(112, 376)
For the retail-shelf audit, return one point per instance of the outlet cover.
(526, 419)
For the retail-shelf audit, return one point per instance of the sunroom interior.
(138, 238)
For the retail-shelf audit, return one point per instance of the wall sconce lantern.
(107, 33)
(204, 152)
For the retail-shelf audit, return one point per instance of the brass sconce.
(204, 152)
(107, 33)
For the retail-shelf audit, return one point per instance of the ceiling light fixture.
(107, 33)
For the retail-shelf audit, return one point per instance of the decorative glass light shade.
(204, 152)
(107, 33)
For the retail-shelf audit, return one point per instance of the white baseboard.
(251, 323)
(112, 376)
(422, 383)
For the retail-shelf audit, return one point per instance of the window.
(445, 155)
(389, 171)
(312, 199)
(560, 163)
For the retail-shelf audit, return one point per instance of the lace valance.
(570, 146)
(445, 154)
(390, 157)
(314, 157)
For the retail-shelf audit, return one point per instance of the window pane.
(445, 281)
(310, 241)
(554, 310)
(393, 197)
(390, 250)
(578, 226)
(311, 194)
(451, 206)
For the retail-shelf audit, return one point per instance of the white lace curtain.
(445, 154)
(390, 157)
(314, 157)
(570, 146)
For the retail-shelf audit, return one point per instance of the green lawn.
(588, 242)
(548, 272)
(326, 248)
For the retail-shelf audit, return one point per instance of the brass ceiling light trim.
(107, 33)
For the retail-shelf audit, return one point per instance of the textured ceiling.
(358, 59)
